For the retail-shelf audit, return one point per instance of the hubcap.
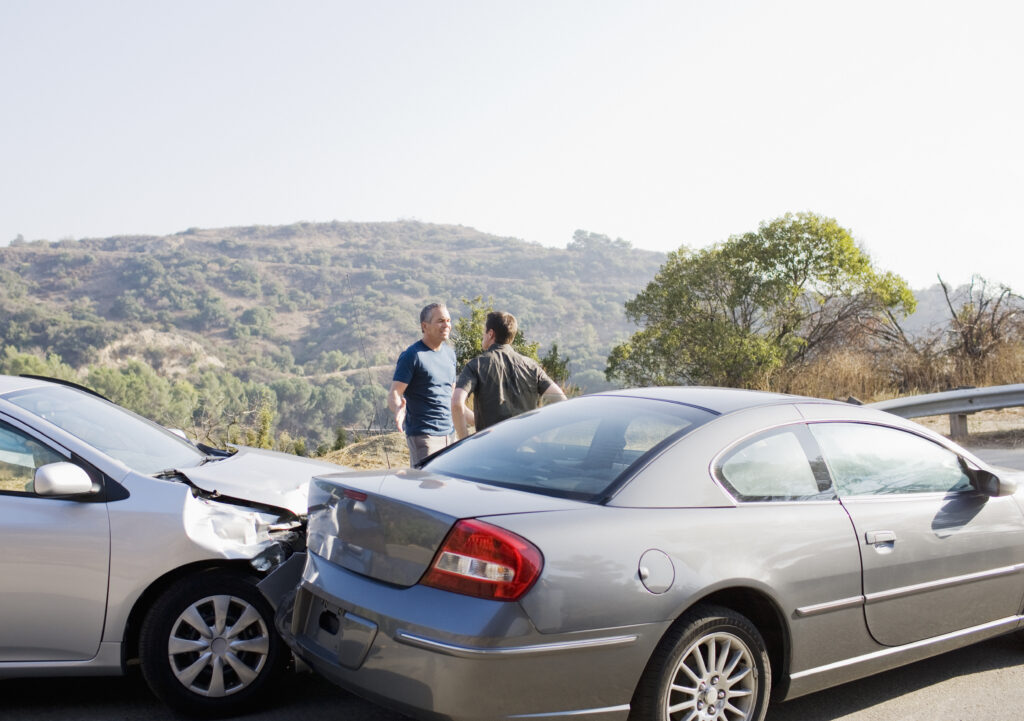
(714, 681)
(218, 646)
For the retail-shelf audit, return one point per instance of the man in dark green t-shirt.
(504, 382)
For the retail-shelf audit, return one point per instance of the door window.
(875, 460)
(20, 456)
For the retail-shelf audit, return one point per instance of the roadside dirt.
(987, 429)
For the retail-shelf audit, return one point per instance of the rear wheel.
(208, 645)
(711, 666)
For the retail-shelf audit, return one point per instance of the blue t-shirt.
(430, 375)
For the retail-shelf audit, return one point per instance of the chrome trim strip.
(830, 606)
(942, 583)
(1008, 621)
(451, 649)
(581, 712)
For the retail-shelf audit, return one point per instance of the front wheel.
(208, 645)
(711, 666)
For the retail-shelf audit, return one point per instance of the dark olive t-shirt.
(504, 383)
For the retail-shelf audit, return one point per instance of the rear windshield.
(576, 449)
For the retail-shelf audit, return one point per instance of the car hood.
(389, 525)
(266, 477)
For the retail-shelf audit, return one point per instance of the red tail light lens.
(478, 559)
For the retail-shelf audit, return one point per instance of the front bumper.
(438, 655)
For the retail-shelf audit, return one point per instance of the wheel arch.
(764, 612)
(145, 601)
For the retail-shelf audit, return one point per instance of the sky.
(665, 123)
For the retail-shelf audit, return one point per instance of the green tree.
(556, 366)
(14, 363)
(736, 312)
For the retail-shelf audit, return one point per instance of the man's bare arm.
(552, 394)
(461, 413)
(396, 403)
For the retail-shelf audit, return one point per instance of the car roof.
(716, 400)
(17, 383)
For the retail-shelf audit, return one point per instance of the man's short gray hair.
(428, 310)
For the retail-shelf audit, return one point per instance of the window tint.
(20, 456)
(871, 460)
(773, 467)
(576, 449)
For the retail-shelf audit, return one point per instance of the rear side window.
(775, 466)
(576, 449)
(868, 460)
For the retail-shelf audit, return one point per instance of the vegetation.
(798, 307)
(288, 335)
(736, 313)
(285, 337)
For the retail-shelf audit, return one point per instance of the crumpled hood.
(266, 477)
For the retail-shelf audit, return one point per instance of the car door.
(54, 559)
(937, 555)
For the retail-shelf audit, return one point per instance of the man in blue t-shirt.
(421, 390)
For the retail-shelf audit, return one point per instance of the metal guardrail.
(956, 404)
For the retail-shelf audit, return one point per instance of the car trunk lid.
(389, 526)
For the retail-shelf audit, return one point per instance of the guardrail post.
(958, 426)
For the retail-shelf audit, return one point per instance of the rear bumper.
(438, 655)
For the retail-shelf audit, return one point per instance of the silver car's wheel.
(711, 666)
(218, 645)
(208, 645)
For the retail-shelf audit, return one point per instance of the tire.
(712, 665)
(208, 645)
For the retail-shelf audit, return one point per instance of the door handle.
(876, 537)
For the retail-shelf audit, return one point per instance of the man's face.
(488, 339)
(438, 328)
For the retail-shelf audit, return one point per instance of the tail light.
(478, 559)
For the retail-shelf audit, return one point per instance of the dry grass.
(838, 375)
(387, 451)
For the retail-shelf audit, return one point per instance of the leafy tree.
(556, 366)
(736, 312)
(14, 363)
(138, 387)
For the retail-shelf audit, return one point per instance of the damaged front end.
(270, 539)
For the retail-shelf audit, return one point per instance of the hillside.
(300, 306)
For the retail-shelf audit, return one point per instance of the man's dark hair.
(504, 326)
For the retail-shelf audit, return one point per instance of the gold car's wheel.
(711, 666)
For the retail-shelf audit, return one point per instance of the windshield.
(140, 444)
(576, 449)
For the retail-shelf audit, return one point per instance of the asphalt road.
(984, 682)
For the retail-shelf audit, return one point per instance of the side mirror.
(62, 479)
(989, 484)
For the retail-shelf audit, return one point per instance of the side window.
(20, 456)
(872, 460)
(774, 466)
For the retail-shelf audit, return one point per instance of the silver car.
(672, 553)
(120, 542)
